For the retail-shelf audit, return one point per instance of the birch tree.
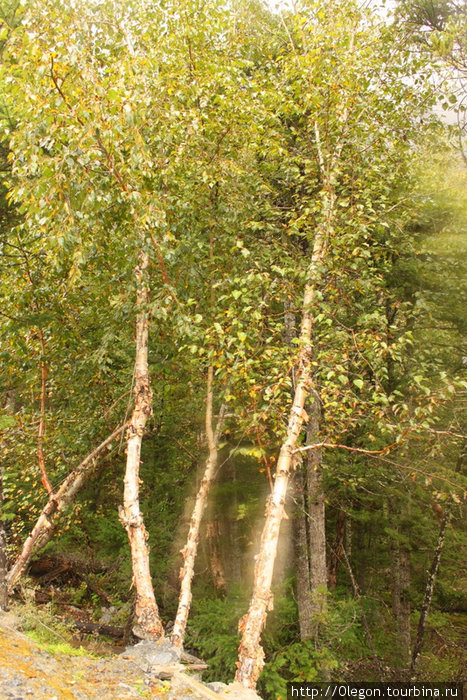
(338, 87)
(90, 172)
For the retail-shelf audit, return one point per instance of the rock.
(107, 615)
(165, 674)
(147, 654)
(216, 686)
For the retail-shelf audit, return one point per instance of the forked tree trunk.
(148, 623)
(55, 507)
(190, 549)
(251, 655)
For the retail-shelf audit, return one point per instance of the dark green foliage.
(213, 635)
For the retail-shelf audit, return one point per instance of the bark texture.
(251, 655)
(148, 622)
(309, 526)
(190, 549)
(53, 509)
(302, 560)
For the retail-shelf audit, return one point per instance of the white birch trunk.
(251, 655)
(148, 623)
(190, 549)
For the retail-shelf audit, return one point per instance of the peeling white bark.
(148, 622)
(190, 549)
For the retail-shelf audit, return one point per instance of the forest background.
(272, 203)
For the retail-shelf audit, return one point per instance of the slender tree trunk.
(302, 559)
(55, 507)
(430, 585)
(190, 549)
(300, 516)
(316, 520)
(309, 523)
(148, 622)
(251, 655)
(429, 591)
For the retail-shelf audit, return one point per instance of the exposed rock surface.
(146, 670)
(147, 654)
